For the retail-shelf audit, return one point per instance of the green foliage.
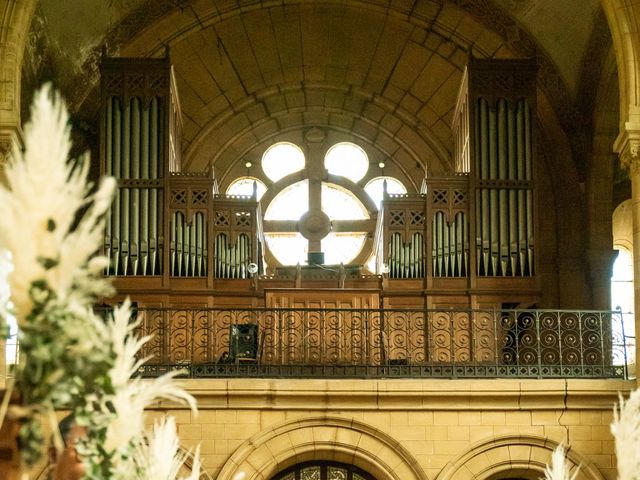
(54, 371)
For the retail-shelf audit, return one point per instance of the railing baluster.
(538, 344)
(497, 349)
(452, 342)
(602, 348)
(366, 354)
(581, 342)
(425, 340)
(624, 345)
(192, 353)
(560, 352)
(165, 325)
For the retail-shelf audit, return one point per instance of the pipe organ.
(428, 232)
(478, 221)
(447, 207)
(404, 238)
(467, 238)
(163, 222)
(189, 211)
(494, 124)
(139, 107)
(239, 237)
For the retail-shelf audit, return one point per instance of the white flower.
(160, 458)
(52, 243)
(626, 432)
(132, 396)
(560, 468)
(38, 207)
(125, 345)
(130, 401)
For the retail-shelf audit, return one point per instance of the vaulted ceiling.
(386, 73)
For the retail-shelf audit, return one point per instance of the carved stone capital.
(9, 136)
(627, 146)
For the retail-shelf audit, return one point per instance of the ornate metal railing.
(384, 343)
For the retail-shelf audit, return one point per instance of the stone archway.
(321, 438)
(16, 18)
(624, 22)
(499, 455)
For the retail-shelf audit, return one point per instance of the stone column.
(628, 147)
(15, 19)
(9, 138)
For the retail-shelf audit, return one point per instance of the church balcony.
(384, 343)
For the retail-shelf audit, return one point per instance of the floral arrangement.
(559, 468)
(626, 433)
(51, 225)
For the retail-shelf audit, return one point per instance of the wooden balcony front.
(379, 343)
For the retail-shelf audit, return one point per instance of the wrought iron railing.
(384, 343)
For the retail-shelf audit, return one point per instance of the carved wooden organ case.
(479, 222)
(472, 230)
(163, 222)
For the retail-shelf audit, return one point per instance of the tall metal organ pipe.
(450, 245)
(232, 260)
(406, 260)
(187, 256)
(134, 137)
(504, 210)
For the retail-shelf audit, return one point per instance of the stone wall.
(401, 429)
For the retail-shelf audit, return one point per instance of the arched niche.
(513, 456)
(336, 439)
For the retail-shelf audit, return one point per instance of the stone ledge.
(481, 394)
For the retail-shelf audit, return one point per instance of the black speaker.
(243, 342)
(315, 258)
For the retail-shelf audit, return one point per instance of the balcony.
(306, 343)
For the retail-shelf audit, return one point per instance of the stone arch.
(321, 438)
(622, 225)
(489, 458)
(623, 18)
(16, 18)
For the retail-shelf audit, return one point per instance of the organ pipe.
(406, 259)
(504, 211)
(450, 245)
(187, 257)
(133, 140)
(116, 164)
(231, 260)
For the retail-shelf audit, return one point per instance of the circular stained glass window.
(340, 204)
(290, 204)
(347, 160)
(288, 248)
(282, 159)
(342, 247)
